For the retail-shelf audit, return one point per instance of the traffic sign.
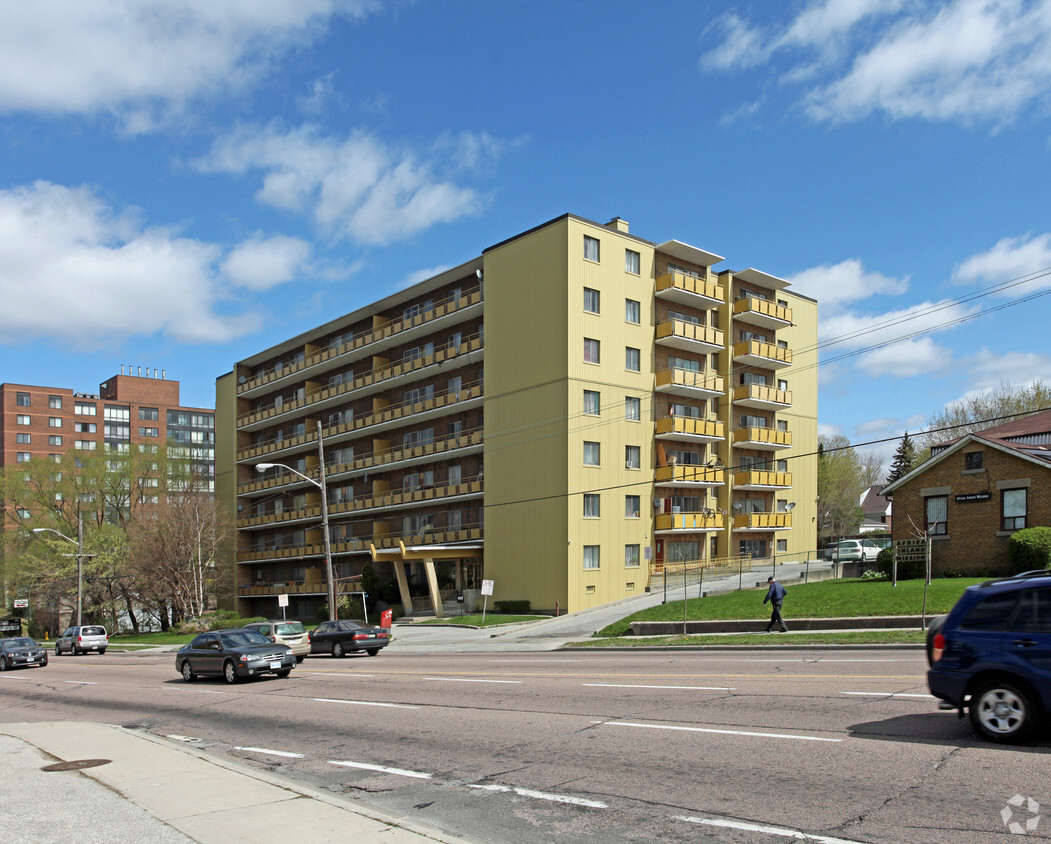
(21, 603)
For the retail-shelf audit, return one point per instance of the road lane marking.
(365, 703)
(15, 678)
(632, 686)
(397, 771)
(81, 682)
(768, 830)
(269, 752)
(339, 674)
(196, 691)
(713, 730)
(888, 694)
(464, 680)
(542, 795)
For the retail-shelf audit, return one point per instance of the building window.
(590, 248)
(149, 414)
(54, 439)
(631, 359)
(592, 402)
(591, 454)
(54, 402)
(782, 385)
(631, 556)
(23, 457)
(85, 445)
(972, 460)
(782, 424)
(782, 465)
(632, 457)
(85, 427)
(632, 311)
(752, 548)
(1014, 503)
(84, 408)
(591, 300)
(591, 556)
(22, 399)
(937, 507)
(631, 506)
(54, 421)
(632, 408)
(23, 419)
(591, 350)
(23, 439)
(782, 546)
(631, 261)
(149, 432)
(591, 505)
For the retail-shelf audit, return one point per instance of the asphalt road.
(755, 745)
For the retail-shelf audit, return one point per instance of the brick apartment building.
(45, 423)
(974, 492)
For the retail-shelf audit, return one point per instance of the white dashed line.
(888, 694)
(632, 686)
(712, 730)
(81, 682)
(365, 703)
(464, 680)
(542, 795)
(197, 691)
(767, 830)
(397, 771)
(337, 674)
(270, 752)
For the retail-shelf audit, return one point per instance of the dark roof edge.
(559, 219)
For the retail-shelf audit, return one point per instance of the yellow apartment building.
(559, 418)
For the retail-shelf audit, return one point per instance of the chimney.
(162, 374)
(122, 369)
(618, 225)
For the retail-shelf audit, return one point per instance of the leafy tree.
(840, 483)
(904, 459)
(978, 412)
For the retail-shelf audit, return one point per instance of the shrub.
(906, 571)
(1029, 549)
(512, 607)
(870, 574)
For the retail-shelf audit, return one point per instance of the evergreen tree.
(904, 459)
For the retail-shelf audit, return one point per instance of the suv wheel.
(1002, 711)
(229, 672)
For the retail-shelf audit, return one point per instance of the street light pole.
(79, 542)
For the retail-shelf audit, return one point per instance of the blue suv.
(992, 654)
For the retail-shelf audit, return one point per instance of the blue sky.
(183, 184)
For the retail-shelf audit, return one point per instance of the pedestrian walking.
(776, 596)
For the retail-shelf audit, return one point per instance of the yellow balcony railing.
(687, 379)
(763, 521)
(689, 284)
(762, 393)
(680, 330)
(689, 521)
(762, 478)
(690, 474)
(689, 427)
(759, 349)
(767, 436)
(752, 305)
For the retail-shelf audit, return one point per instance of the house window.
(631, 506)
(592, 402)
(591, 505)
(23, 457)
(632, 408)
(84, 408)
(23, 439)
(632, 311)
(591, 350)
(591, 300)
(937, 507)
(1014, 504)
(85, 427)
(22, 399)
(54, 421)
(54, 439)
(782, 465)
(54, 402)
(149, 414)
(972, 460)
(23, 418)
(631, 261)
(782, 424)
(632, 457)
(149, 432)
(591, 454)
(752, 548)
(631, 556)
(782, 385)
(631, 359)
(590, 248)
(591, 556)
(782, 546)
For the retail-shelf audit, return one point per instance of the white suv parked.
(850, 550)
(79, 640)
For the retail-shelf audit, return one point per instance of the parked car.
(992, 655)
(291, 633)
(340, 637)
(20, 652)
(79, 640)
(850, 550)
(234, 655)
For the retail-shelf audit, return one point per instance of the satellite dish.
(241, 380)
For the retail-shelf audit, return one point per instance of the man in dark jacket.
(776, 596)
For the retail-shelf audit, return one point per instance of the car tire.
(229, 672)
(284, 672)
(187, 674)
(3, 664)
(1003, 711)
(932, 630)
(372, 651)
(299, 659)
(44, 663)
(337, 650)
(73, 650)
(101, 651)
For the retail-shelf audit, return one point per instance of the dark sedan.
(233, 655)
(19, 652)
(340, 637)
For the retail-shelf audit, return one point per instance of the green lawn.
(806, 637)
(824, 599)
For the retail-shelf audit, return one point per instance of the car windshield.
(292, 628)
(19, 643)
(238, 638)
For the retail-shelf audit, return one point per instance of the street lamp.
(79, 542)
(320, 484)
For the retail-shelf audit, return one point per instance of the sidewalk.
(150, 789)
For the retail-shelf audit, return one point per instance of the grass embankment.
(824, 599)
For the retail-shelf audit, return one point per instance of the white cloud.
(823, 23)
(421, 275)
(142, 60)
(72, 270)
(846, 330)
(261, 263)
(847, 281)
(1012, 258)
(741, 45)
(907, 358)
(355, 186)
(988, 370)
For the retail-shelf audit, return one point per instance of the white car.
(850, 550)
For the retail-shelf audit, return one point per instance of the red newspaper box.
(385, 618)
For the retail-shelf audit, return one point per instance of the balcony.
(762, 521)
(685, 382)
(688, 428)
(360, 544)
(690, 522)
(767, 439)
(762, 312)
(762, 397)
(689, 476)
(761, 479)
(689, 336)
(765, 355)
(460, 307)
(689, 291)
